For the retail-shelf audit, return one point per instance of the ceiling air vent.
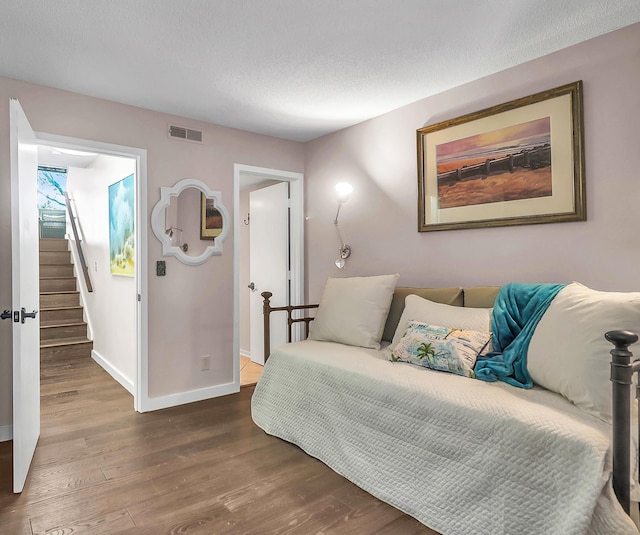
(187, 134)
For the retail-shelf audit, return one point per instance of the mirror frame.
(158, 221)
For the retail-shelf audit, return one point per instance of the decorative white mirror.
(190, 221)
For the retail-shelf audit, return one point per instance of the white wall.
(111, 307)
(380, 219)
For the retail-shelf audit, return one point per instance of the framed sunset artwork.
(517, 163)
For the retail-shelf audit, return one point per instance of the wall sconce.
(171, 231)
(343, 190)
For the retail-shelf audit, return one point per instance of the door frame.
(296, 242)
(141, 378)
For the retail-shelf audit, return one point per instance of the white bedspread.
(460, 455)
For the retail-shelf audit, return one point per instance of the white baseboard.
(6, 432)
(114, 372)
(245, 353)
(171, 400)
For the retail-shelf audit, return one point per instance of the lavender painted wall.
(191, 309)
(379, 158)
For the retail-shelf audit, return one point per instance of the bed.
(462, 456)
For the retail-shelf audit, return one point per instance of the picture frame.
(211, 220)
(122, 227)
(517, 163)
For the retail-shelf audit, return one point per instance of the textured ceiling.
(295, 69)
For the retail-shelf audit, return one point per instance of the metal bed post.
(622, 370)
(267, 309)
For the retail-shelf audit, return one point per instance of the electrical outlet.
(205, 361)
(95, 264)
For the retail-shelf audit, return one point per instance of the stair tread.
(56, 260)
(61, 323)
(65, 342)
(67, 307)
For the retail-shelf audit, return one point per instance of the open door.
(269, 263)
(25, 293)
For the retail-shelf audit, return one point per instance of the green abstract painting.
(121, 227)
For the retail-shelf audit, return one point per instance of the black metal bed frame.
(267, 309)
(622, 370)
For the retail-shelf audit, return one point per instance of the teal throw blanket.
(516, 312)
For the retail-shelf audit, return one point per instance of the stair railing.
(76, 238)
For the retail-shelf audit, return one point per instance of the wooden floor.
(249, 371)
(202, 468)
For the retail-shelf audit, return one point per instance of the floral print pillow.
(441, 348)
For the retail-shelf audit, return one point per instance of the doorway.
(26, 288)
(113, 161)
(246, 180)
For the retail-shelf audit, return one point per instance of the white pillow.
(353, 310)
(419, 309)
(568, 353)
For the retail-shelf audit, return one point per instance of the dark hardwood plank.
(202, 468)
(103, 524)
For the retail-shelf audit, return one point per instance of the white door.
(24, 293)
(268, 263)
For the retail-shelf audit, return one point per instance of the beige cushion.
(453, 317)
(353, 310)
(448, 296)
(568, 353)
(480, 296)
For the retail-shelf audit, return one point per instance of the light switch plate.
(161, 268)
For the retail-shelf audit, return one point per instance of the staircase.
(62, 328)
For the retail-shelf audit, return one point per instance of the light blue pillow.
(441, 348)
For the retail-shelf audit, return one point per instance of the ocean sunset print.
(507, 164)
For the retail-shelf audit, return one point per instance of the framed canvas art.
(517, 163)
(122, 227)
